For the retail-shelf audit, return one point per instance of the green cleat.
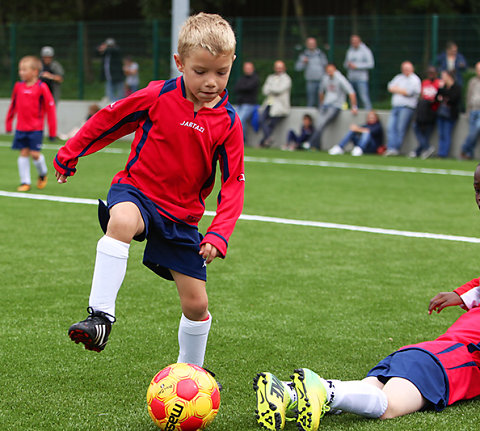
(311, 399)
(274, 405)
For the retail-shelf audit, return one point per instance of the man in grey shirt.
(358, 61)
(334, 89)
(473, 109)
(313, 61)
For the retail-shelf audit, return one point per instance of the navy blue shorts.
(31, 140)
(419, 367)
(170, 245)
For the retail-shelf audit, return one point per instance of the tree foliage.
(104, 10)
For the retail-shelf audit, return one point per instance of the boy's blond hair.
(208, 31)
(33, 61)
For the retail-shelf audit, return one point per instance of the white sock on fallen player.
(358, 397)
(110, 269)
(192, 340)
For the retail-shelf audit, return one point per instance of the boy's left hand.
(208, 252)
(444, 299)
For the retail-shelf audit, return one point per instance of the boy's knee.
(195, 308)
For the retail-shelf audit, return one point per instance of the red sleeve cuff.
(217, 241)
(467, 286)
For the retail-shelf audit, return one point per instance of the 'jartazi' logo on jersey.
(192, 125)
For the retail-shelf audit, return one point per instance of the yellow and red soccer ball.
(183, 397)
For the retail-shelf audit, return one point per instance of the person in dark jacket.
(112, 70)
(453, 61)
(426, 114)
(246, 91)
(367, 138)
(449, 96)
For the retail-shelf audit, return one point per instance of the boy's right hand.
(444, 299)
(60, 178)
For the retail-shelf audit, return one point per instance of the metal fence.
(392, 39)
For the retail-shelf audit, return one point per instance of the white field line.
(264, 219)
(317, 163)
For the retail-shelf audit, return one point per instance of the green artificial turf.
(286, 296)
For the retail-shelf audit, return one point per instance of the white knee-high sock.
(110, 268)
(24, 169)
(40, 165)
(358, 397)
(192, 340)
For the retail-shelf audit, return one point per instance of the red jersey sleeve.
(230, 199)
(49, 107)
(107, 125)
(470, 293)
(11, 110)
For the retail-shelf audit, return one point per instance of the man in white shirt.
(405, 88)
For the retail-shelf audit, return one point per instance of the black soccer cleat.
(220, 386)
(93, 332)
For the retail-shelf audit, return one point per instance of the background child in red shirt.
(31, 101)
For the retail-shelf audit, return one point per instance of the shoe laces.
(111, 319)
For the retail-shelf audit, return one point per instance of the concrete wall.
(337, 129)
(72, 113)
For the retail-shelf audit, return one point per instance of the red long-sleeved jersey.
(31, 104)
(174, 153)
(470, 293)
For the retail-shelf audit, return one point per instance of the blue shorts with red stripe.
(419, 367)
(170, 245)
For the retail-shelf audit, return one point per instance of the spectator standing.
(452, 61)
(333, 95)
(405, 88)
(130, 70)
(426, 114)
(313, 62)
(112, 69)
(276, 106)
(473, 110)
(246, 89)
(367, 138)
(449, 96)
(358, 61)
(52, 72)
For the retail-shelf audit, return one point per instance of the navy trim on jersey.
(40, 104)
(217, 234)
(169, 85)
(473, 347)
(182, 86)
(225, 170)
(231, 113)
(146, 129)
(224, 158)
(135, 116)
(451, 348)
(69, 171)
(225, 95)
(211, 177)
(467, 364)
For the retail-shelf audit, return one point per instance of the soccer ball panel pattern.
(183, 397)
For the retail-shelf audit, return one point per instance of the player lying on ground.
(431, 374)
